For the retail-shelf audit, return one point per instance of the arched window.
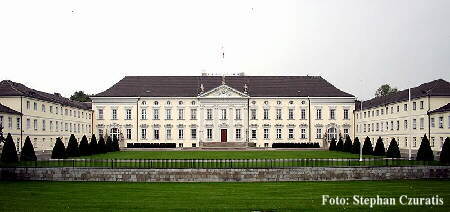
(156, 103)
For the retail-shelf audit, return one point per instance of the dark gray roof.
(9, 88)
(437, 87)
(189, 86)
(442, 109)
(5, 109)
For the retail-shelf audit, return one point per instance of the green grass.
(223, 155)
(281, 196)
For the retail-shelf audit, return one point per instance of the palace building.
(229, 111)
(42, 116)
(394, 116)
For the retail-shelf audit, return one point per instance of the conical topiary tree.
(356, 146)
(445, 152)
(348, 144)
(393, 150)
(102, 146)
(9, 153)
(425, 153)
(379, 148)
(340, 145)
(109, 146)
(333, 144)
(115, 144)
(367, 147)
(72, 147)
(93, 146)
(27, 153)
(84, 146)
(59, 151)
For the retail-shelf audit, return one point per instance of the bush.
(109, 147)
(59, 151)
(72, 147)
(367, 147)
(348, 144)
(333, 144)
(356, 146)
(425, 153)
(151, 145)
(379, 148)
(9, 153)
(115, 145)
(445, 152)
(295, 145)
(84, 146)
(340, 145)
(27, 153)
(93, 146)
(102, 148)
(393, 150)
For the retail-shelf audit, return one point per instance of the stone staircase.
(227, 145)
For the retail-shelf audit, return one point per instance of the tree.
(445, 152)
(80, 96)
(393, 150)
(367, 147)
(27, 153)
(109, 146)
(333, 144)
(425, 153)
(356, 146)
(115, 144)
(59, 151)
(93, 146)
(379, 148)
(9, 153)
(385, 90)
(348, 144)
(84, 146)
(102, 146)
(72, 147)
(340, 145)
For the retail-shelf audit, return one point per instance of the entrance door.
(223, 137)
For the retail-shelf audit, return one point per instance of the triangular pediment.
(223, 91)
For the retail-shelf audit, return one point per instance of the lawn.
(281, 196)
(279, 154)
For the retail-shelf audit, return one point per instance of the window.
(43, 108)
(66, 112)
(365, 127)
(100, 113)
(319, 114)
(291, 114)
(209, 134)
(169, 134)
(128, 114)
(422, 123)
(387, 126)
(35, 106)
(398, 125)
(128, 133)
(378, 126)
(238, 134)
(209, 114)
(415, 142)
(345, 113)
(9, 122)
(392, 125)
(224, 114)
(414, 106)
(194, 133)
(378, 112)
(238, 114)
(180, 134)
(332, 114)
(193, 114)
(405, 124)
(303, 133)
(56, 126)
(441, 122)
(318, 133)
(28, 105)
(28, 122)
(51, 109)
(156, 103)
(51, 126)
(432, 141)
(43, 125)
(181, 114)
(168, 114)
(291, 133)
(253, 134)
(35, 124)
(266, 133)
(56, 110)
(168, 103)
(114, 114)
(421, 104)
(432, 122)
(345, 133)
(144, 133)
(155, 114)
(364, 114)
(414, 124)
(382, 111)
(266, 114)
(156, 134)
(278, 133)
(303, 114)
(253, 114)
(278, 114)
(143, 114)
(18, 123)
(405, 107)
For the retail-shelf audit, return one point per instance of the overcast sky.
(357, 45)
